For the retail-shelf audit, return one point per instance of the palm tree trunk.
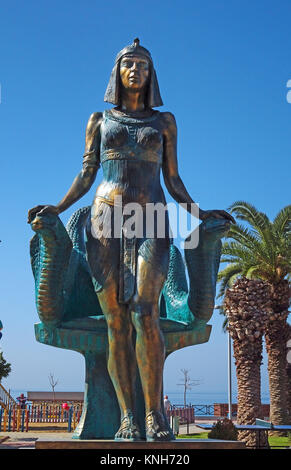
(245, 304)
(289, 371)
(289, 391)
(248, 358)
(276, 340)
(277, 332)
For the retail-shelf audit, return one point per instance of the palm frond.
(226, 275)
(245, 211)
(237, 250)
(259, 250)
(245, 236)
(221, 311)
(258, 220)
(282, 221)
(252, 272)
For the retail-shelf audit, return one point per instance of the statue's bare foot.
(156, 427)
(128, 430)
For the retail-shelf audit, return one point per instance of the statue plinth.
(101, 413)
(178, 444)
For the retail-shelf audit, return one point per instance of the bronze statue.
(132, 142)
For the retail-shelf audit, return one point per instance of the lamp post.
(229, 378)
(220, 308)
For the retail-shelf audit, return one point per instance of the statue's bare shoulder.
(168, 124)
(93, 129)
(94, 122)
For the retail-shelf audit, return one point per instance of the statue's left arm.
(85, 178)
(173, 182)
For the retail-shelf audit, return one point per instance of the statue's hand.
(217, 214)
(39, 210)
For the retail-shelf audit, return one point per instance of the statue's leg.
(150, 350)
(121, 357)
(103, 257)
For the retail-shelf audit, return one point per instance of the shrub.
(224, 430)
(5, 367)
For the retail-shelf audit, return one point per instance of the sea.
(175, 397)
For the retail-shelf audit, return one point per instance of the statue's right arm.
(84, 180)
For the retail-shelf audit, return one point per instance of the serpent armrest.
(90, 334)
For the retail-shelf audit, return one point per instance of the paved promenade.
(26, 440)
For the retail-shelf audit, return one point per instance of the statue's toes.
(163, 436)
(156, 427)
(118, 435)
(128, 433)
(158, 436)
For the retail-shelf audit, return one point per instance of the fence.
(221, 409)
(6, 399)
(190, 411)
(22, 420)
(17, 419)
(186, 414)
(13, 418)
(210, 411)
(203, 410)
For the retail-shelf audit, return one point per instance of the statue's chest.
(141, 141)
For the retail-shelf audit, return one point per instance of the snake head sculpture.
(50, 251)
(214, 228)
(46, 223)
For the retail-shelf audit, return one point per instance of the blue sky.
(222, 67)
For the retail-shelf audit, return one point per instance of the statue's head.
(134, 70)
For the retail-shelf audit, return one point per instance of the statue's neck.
(132, 101)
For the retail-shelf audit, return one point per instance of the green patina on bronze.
(122, 301)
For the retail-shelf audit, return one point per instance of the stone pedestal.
(101, 414)
(178, 444)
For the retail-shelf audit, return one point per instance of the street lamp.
(220, 308)
(229, 378)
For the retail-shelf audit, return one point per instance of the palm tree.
(244, 305)
(262, 251)
(289, 368)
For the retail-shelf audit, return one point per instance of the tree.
(187, 383)
(245, 305)
(5, 367)
(53, 384)
(261, 250)
(289, 368)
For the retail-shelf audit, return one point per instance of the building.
(56, 397)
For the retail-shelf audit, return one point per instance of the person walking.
(167, 403)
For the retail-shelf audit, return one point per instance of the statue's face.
(134, 72)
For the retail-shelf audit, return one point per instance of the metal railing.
(199, 410)
(6, 400)
(204, 410)
(15, 418)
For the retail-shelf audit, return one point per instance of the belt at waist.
(131, 156)
(119, 202)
